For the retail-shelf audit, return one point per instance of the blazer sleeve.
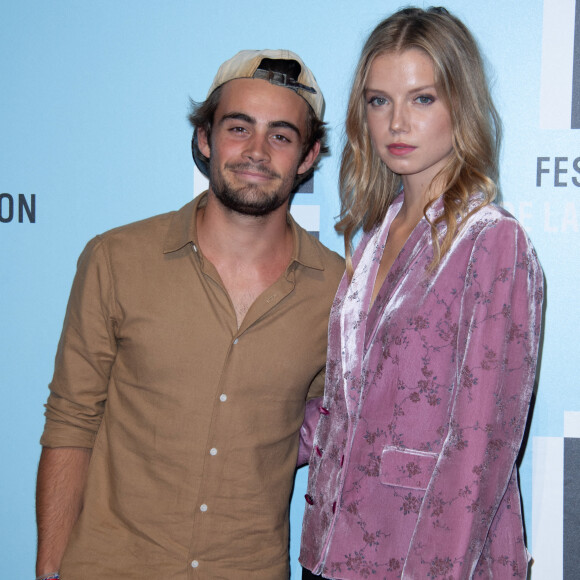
(497, 348)
(85, 354)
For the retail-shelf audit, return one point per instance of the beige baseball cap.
(269, 65)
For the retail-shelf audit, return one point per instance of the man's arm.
(62, 474)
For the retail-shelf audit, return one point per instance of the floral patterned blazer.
(412, 472)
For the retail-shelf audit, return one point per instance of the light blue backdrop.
(93, 104)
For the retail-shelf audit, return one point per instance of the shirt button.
(236, 341)
(323, 411)
(203, 507)
(195, 564)
(342, 461)
(195, 250)
(318, 451)
(213, 451)
(223, 398)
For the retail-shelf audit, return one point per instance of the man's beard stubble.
(249, 199)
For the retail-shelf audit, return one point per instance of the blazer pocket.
(407, 468)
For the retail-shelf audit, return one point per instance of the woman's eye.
(425, 100)
(377, 101)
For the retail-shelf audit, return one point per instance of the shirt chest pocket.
(407, 468)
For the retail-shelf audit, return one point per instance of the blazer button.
(309, 499)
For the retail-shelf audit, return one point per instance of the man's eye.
(282, 138)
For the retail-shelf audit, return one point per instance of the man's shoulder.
(330, 260)
(151, 230)
(146, 226)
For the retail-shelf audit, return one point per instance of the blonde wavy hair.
(367, 185)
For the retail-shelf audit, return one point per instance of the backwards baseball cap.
(279, 67)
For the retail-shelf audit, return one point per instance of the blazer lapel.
(390, 293)
(355, 308)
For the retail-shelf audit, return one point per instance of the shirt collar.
(183, 231)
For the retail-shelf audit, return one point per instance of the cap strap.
(283, 79)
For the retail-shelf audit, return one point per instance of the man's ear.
(203, 142)
(310, 158)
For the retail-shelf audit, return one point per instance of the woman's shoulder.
(492, 235)
(491, 219)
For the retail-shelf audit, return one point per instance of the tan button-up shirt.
(193, 422)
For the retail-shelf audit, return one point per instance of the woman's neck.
(416, 196)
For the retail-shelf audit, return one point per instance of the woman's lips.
(400, 148)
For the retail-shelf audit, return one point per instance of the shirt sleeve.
(85, 354)
(497, 348)
(317, 385)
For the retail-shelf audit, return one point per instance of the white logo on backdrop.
(557, 64)
(549, 475)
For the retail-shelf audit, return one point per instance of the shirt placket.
(203, 531)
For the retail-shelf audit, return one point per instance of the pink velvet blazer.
(412, 472)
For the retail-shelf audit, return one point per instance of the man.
(191, 342)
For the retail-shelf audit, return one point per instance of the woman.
(434, 332)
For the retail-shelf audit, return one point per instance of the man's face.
(256, 146)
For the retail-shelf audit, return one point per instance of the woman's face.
(410, 126)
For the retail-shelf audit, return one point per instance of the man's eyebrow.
(286, 125)
(237, 116)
